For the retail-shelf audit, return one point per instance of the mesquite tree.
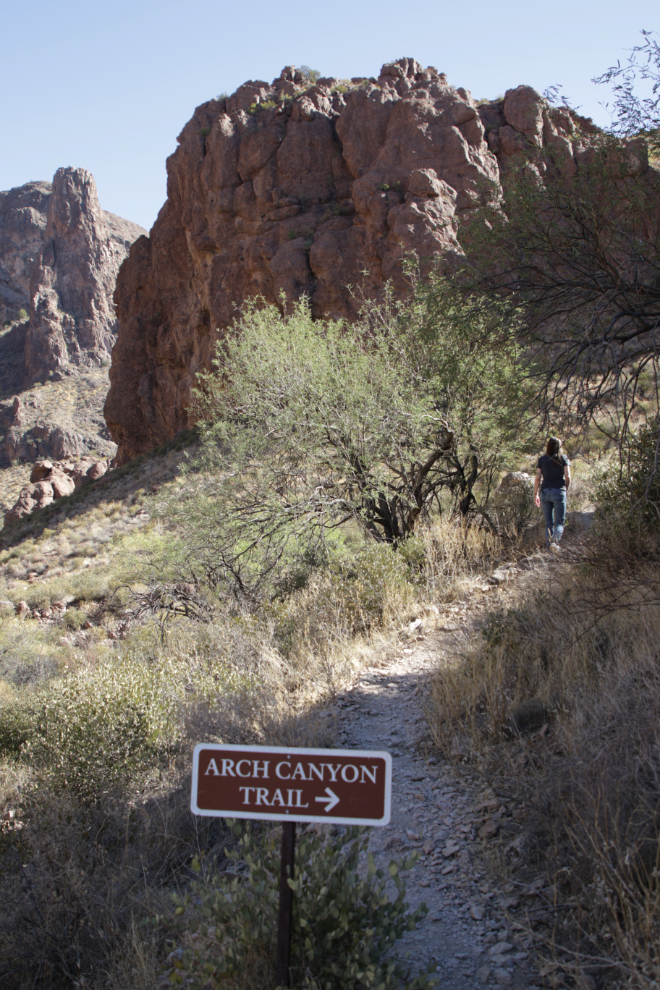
(309, 425)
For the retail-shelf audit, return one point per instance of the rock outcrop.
(22, 229)
(290, 188)
(59, 258)
(50, 481)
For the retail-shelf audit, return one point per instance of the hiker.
(553, 474)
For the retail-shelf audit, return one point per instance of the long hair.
(553, 450)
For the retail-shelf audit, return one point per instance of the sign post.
(283, 971)
(289, 785)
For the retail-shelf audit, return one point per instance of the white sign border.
(293, 751)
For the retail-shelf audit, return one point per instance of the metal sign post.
(285, 918)
(289, 785)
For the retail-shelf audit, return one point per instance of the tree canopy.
(309, 424)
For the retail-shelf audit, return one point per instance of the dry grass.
(558, 704)
(97, 830)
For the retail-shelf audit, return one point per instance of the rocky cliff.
(296, 188)
(59, 258)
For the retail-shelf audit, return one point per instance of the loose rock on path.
(446, 817)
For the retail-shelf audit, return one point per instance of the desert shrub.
(512, 505)
(29, 653)
(74, 618)
(345, 922)
(94, 728)
(307, 425)
(628, 499)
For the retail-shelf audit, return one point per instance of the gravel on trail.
(448, 817)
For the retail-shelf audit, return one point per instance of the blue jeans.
(553, 503)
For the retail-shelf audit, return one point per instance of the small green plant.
(205, 131)
(311, 75)
(256, 108)
(383, 186)
(342, 211)
(22, 315)
(75, 618)
(344, 924)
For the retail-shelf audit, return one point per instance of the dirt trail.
(436, 810)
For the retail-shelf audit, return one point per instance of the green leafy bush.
(345, 924)
(307, 425)
(629, 499)
(75, 618)
(94, 728)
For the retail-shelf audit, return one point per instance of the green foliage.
(22, 315)
(310, 74)
(74, 618)
(205, 131)
(308, 424)
(345, 922)
(94, 728)
(256, 108)
(629, 498)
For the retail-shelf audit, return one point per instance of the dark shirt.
(553, 474)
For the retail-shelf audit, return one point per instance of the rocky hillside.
(59, 258)
(296, 188)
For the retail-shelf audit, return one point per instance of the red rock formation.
(22, 228)
(290, 188)
(72, 318)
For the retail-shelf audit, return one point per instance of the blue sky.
(108, 86)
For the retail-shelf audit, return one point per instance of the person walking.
(553, 474)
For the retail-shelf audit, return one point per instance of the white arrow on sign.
(331, 800)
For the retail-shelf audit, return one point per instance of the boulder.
(97, 470)
(524, 111)
(62, 484)
(513, 502)
(41, 470)
(66, 443)
(52, 481)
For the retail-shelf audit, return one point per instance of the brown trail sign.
(347, 787)
(274, 783)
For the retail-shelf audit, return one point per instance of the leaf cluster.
(635, 114)
(345, 922)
